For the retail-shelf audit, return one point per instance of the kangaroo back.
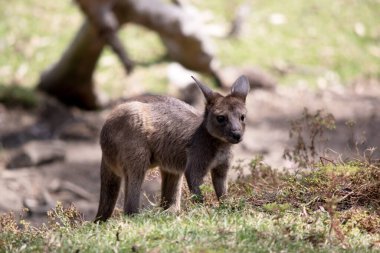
(162, 125)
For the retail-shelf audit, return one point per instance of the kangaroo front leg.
(171, 191)
(219, 180)
(194, 174)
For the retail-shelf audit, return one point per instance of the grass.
(318, 43)
(32, 37)
(284, 222)
(316, 36)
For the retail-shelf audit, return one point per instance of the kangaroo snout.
(236, 136)
(236, 131)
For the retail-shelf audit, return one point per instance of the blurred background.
(314, 68)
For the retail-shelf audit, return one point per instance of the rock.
(9, 200)
(39, 205)
(36, 153)
(78, 130)
(59, 185)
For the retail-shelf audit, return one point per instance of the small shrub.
(307, 132)
(8, 223)
(361, 219)
(61, 216)
(334, 189)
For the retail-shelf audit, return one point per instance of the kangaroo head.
(225, 115)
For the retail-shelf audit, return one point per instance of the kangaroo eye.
(242, 118)
(221, 119)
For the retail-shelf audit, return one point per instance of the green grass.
(317, 39)
(287, 222)
(202, 229)
(33, 34)
(315, 34)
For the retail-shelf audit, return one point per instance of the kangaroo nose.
(236, 136)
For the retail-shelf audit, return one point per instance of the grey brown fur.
(151, 131)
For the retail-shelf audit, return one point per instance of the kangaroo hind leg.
(109, 191)
(135, 170)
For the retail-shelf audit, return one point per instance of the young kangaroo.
(151, 131)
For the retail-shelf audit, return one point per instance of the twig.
(344, 197)
(322, 159)
(311, 201)
(150, 202)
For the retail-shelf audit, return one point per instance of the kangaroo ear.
(240, 88)
(207, 92)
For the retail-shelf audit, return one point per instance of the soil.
(76, 178)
